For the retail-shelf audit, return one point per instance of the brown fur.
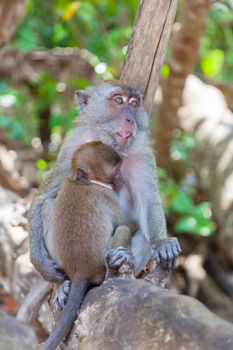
(85, 218)
(84, 222)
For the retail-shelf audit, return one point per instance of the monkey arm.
(164, 250)
(155, 214)
(152, 225)
(38, 220)
(39, 255)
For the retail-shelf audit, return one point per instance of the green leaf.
(202, 210)
(199, 226)
(204, 228)
(55, 120)
(186, 224)
(181, 203)
(16, 131)
(188, 141)
(41, 164)
(5, 121)
(165, 71)
(211, 64)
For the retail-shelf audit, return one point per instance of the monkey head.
(99, 162)
(115, 108)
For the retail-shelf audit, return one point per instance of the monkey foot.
(119, 261)
(166, 252)
(62, 295)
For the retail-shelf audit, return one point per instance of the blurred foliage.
(180, 202)
(15, 113)
(103, 28)
(216, 51)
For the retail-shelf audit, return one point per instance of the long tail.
(69, 315)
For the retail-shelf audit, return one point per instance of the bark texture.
(147, 46)
(11, 12)
(182, 62)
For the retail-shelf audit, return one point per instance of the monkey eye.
(133, 102)
(119, 100)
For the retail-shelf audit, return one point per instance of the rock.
(14, 335)
(136, 315)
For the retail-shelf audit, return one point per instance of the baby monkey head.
(99, 162)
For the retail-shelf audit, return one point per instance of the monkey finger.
(57, 304)
(176, 246)
(114, 254)
(118, 260)
(62, 295)
(163, 256)
(126, 259)
(118, 257)
(66, 287)
(176, 250)
(173, 263)
(156, 256)
(170, 256)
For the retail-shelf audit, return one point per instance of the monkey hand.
(118, 257)
(62, 294)
(165, 252)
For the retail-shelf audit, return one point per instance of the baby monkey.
(86, 224)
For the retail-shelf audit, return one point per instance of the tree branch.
(147, 46)
(11, 12)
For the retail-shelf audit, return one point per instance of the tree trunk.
(11, 12)
(205, 115)
(148, 45)
(182, 62)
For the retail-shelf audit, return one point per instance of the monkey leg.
(166, 251)
(121, 237)
(62, 294)
(141, 250)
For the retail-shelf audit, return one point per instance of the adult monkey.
(112, 113)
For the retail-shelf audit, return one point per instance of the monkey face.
(115, 108)
(97, 161)
(123, 107)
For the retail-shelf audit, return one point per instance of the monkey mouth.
(124, 135)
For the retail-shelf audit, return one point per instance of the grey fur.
(140, 199)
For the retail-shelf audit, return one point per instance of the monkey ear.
(82, 176)
(81, 98)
